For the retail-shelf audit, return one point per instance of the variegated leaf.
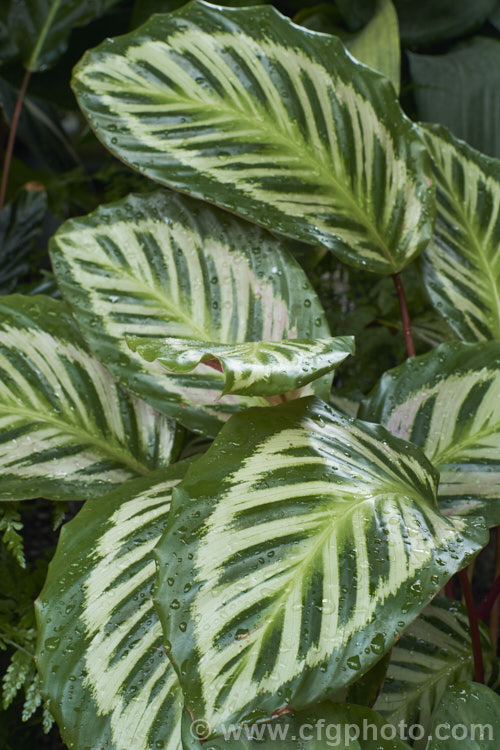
(377, 44)
(162, 265)
(105, 675)
(298, 549)
(68, 430)
(468, 718)
(269, 120)
(458, 87)
(448, 403)
(376, 41)
(433, 654)
(461, 266)
(345, 726)
(262, 368)
(429, 22)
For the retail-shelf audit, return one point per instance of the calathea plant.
(262, 576)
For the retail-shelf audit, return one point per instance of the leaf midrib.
(280, 138)
(85, 437)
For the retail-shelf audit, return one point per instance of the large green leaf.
(242, 108)
(448, 403)
(460, 90)
(461, 266)
(166, 266)
(105, 675)
(299, 547)
(323, 726)
(68, 430)
(468, 718)
(263, 368)
(40, 28)
(432, 654)
(430, 21)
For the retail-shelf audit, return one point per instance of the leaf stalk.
(474, 626)
(405, 315)
(12, 137)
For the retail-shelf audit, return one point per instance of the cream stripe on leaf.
(263, 368)
(461, 266)
(67, 429)
(448, 403)
(377, 43)
(431, 655)
(309, 541)
(164, 265)
(269, 120)
(105, 675)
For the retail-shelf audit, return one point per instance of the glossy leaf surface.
(269, 120)
(298, 548)
(263, 368)
(105, 675)
(162, 265)
(433, 654)
(68, 430)
(462, 263)
(431, 21)
(448, 403)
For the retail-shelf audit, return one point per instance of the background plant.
(169, 302)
